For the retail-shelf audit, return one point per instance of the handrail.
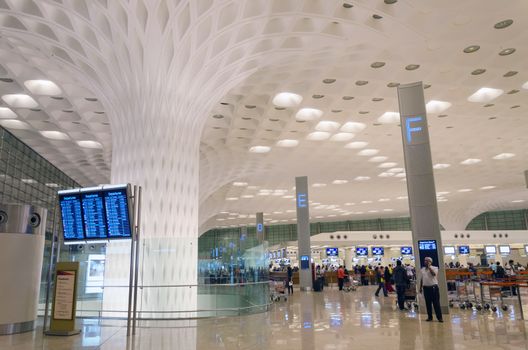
(190, 285)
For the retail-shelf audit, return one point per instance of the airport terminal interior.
(263, 174)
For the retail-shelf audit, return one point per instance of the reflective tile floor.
(328, 320)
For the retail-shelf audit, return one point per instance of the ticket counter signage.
(448, 250)
(463, 250)
(332, 252)
(305, 262)
(504, 250)
(361, 251)
(406, 250)
(490, 250)
(378, 251)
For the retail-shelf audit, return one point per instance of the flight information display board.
(96, 213)
(117, 213)
(378, 251)
(332, 252)
(93, 215)
(71, 212)
(428, 248)
(406, 250)
(463, 249)
(361, 251)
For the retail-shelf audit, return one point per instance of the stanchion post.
(520, 301)
(54, 240)
(131, 276)
(136, 272)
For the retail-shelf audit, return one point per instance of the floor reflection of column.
(307, 321)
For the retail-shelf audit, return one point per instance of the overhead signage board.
(378, 251)
(96, 213)
(428, 248)
(463, 250)
(406, 250)
(362, 251)
(332, 251)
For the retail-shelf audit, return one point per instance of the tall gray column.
(260, 227)
(420, 182)
(303, 232)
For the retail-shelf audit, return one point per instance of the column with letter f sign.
(260, 227)
(303, 232)
(420, 182)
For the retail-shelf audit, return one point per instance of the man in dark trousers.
(401, 280)
(431, 292)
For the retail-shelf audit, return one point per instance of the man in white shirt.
(429, 287)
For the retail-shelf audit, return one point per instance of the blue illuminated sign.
(260, 227)
(410, 129)
(361, 251)
(305, 262)
(427, 245)
(406, 250)
(378, 251)
(332, 252)
(301, 200)
(463, 249)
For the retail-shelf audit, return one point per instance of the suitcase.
(318, 285)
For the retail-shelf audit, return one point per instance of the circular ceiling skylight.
(356, 144)
(434, 106)
(470, 161)
(441, 166)
(387, 165)
(378, 159)
(339, 182)
(327, 125)
(362, 178)
(20, 101)
(42, 87)
(306, 114)
(89, 144)
(54, 135)
(287, 143)
(389, 118)
(287, 99)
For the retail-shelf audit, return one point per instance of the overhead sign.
(378, 251)
(361, 251)
(96, 213)
(463, 250)
(332, 251)
(406, 250)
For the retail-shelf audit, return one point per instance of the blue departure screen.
(117, 213)
(72, 220)
(332, 252)
(428, 248)
(378, 251)
(463, 249)
(406, 250)
(361, 251)
(94, 215)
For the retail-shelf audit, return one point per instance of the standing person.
(289, 281)
(388, 278)
(401, 280)
(363, 272)
(431, 292)
(340, 277)
(380, 279)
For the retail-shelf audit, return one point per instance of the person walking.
(289, 281)
(380, 279)
(431, 292)
(401, 280)
(388, 277)
(340, 277)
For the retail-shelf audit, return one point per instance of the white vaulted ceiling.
(228, 60)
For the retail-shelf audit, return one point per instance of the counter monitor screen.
(332, 252)
(378, 251)
(490, 249)
(361, 251)
(504, 249)
(406, 250)
(72, 218)
(463, 249)
(449, 250)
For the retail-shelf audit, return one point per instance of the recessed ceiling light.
(318, 136)
(366, 202)
(356, 144)
(361, 82)
(89, 144)
(54, 135)
(502, 156)
(289, 196)
(377, 64)
(485, 95)
(518, 201)
(376, 16)
(384, 174)
(396, 170)
(305, 114)
(503, 24)
(20, 101)
(384, 200)
(470, 161)
(287, 143)
(465, 190)
(231, 199)
(51, 184)
(42, 87)
(388, 209)
(353, 127)
(362, 178)
(342, 136)
(240, 184)
(387, 165)
(478, 71)
(318, 185)
(14, 124)
(329, 81)
(218, 116)
(507, 51)
(393, 85)
(28, 181)
(389, 118)
(510, 74)
(434, 106)
(6, 113)
(487, 187)
(339, 182)
(327, 125)
(378, 159)
(377, 99)
(441, 166)
(260, 149)
(247, 196)
(471, 49)
(368, 152)
(402, 197)
(317, 96)
(412, 66)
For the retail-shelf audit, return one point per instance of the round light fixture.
(287, 99)
(503, 24)
(507, 51)
(471, 49)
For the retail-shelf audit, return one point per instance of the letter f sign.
(411, 129)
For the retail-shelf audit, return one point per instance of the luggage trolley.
(459, 296)
(278, 290)
(492, 298)
(350, 284)
(411, 300)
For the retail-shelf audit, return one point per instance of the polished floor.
(328, 320)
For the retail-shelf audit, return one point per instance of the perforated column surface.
(156, 147)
